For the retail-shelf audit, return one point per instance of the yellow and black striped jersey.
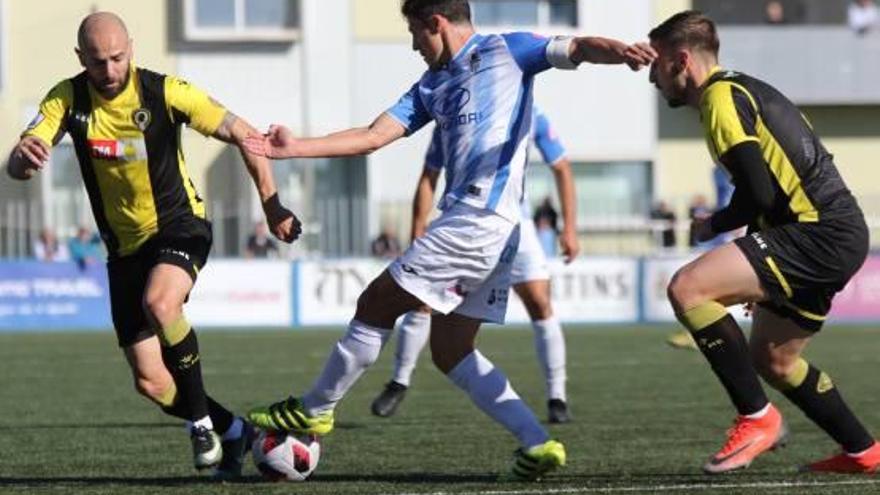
(130, 152)
(736, 108)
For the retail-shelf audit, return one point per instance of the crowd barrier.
(272, 293)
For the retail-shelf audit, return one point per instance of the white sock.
(412, 335)
(350, 357)
(859, 454)
(550, 347)
(205, 423)
(759, 414)
(489, 389)
(234, 431)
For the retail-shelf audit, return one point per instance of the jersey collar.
(465, 48)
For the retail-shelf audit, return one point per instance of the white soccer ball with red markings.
(285, 456)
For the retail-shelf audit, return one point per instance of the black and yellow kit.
(807, 234)
(129, 151)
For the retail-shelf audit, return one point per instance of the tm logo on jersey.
(117, 150)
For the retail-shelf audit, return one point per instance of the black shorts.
(128, 279)
(803, 265)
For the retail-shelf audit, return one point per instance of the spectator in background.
(546, 210)
(662, 212)
(863, 16)
(386, 245)
(85, 248)
(774, 13)
(259, 244)
(47, 248)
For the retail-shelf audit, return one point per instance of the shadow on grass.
(87, 426)
(45, 481)
(172, 481)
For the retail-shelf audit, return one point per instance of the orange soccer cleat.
(746, 440)
(866, 462)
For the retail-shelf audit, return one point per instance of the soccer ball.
(285, 456)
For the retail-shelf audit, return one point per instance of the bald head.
(97, 26)
(104, 50)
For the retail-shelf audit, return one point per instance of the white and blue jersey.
(546, 141)
(482, 103)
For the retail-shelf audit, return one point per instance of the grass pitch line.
(659, 488)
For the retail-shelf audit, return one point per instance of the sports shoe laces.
(742, 427)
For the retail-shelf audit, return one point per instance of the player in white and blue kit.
(478, 89)
(530, 277)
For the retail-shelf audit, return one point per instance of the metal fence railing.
(339, 227)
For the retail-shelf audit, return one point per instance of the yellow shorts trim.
(809, 315)
(776, 271)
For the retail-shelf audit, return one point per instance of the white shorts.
(530, 262)
(462, 263)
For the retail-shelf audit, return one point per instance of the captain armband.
(558, 51)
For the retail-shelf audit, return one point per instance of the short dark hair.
(457, 11)
(690, 28)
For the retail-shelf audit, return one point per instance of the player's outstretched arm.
(282, 222)
(423, 201)
(568, 240)
(280, 142)
(28, 157)
(598, 50)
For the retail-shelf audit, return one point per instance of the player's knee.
(773, 367)
(539, 308)
(163, 309)
(447, 357)
(443, 362)
(152, 389)
(682, 290)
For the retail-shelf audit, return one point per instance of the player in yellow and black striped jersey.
(125, 122)
(807, 237)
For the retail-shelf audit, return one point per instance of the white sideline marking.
(658, 488)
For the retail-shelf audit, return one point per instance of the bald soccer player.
(125, 124)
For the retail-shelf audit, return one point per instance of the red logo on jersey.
(103, 149)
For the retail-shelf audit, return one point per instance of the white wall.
(604, 112)
(262, 87)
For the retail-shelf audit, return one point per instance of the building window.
(241, 20)
(606, 191)
(530, 13)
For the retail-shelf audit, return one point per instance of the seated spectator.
(259, 244)
(774, 13)
(667, 235)
(47, 248)
(386, 245)
(85, 248)
(863, 16)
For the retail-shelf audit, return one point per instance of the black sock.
(819, 399)
(183, 361)
(220, 416)
(727, 351)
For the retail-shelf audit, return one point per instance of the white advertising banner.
(328, 290)
(242, 293)
(589, 290)
(658, 273)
